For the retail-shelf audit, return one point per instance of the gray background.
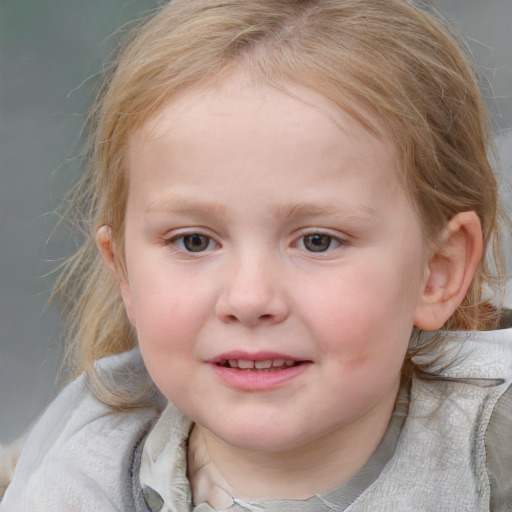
(49, 53)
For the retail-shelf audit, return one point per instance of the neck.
(299, 473)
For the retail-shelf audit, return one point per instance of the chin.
(263, 438)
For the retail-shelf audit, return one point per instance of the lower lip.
(250, 380)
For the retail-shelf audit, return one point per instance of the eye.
(319, 242)
(193, 242)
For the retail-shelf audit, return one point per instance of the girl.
(283, 297)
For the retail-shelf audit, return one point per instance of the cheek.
(367, 312)
(166, 322)
(167, 331)
(168, 313)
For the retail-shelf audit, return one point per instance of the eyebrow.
(360, 212)
(182, 206)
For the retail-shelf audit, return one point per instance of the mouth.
(264, 371)
(267, 365)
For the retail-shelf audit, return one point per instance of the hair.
(388, 58)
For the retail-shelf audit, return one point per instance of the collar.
(166, 488)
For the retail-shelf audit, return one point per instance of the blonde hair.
(385, 57)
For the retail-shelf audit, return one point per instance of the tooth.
(289, 363)
(263, 364)
(277, 362)
(245, 365)
(233, 363)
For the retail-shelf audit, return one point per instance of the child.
(292, 225)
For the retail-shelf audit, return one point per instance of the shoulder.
(498, 444)
(79, 454)
(471, 355)
(482, 373)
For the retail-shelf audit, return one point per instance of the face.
(274, 265)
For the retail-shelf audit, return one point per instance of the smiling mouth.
(268, 365)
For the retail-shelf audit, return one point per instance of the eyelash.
(316, 239)
(176, 239)
(320, 237)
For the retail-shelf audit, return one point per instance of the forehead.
(240, 126)
(196, 102)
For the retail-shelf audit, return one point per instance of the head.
(391, 68)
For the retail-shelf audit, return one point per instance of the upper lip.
(240, 355)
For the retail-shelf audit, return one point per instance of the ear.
(450, 271)
(105, 243)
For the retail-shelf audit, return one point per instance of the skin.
(255, 178)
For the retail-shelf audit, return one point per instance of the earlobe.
(450, 271)
(105, 243)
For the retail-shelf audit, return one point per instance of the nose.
(252, 295)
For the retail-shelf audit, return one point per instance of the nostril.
(250, 308)
(260, 318)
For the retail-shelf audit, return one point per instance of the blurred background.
(50, 53)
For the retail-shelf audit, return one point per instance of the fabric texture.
(79, 456)
(454, 451)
